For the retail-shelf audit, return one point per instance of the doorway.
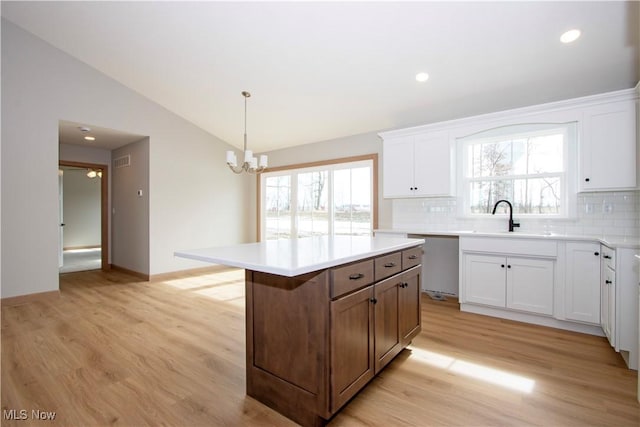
(88, 256)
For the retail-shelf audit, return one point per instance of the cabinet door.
(410, 313)
(582, 282)
(433, 175)
(397, 167)
(530, 285)
(387, 337)
(608, 309)
(351, 345)
(608, 147)
(484, 279)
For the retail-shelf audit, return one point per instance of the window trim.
(569, 173)
(319, 164)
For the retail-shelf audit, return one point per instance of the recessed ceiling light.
(570, 36)
(422, 77)
(84, 129)
(90, 138)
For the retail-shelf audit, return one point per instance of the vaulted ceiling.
(324, 70)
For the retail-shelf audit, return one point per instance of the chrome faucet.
(511, 223)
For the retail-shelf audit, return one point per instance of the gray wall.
(130, 220)
(81, 209)
(193, 199)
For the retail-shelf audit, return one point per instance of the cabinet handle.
(356, 276)
(373, 300)
(608, 282)
(404, 284)
(413, 257)
(501, 265)
(586, 180)
(508, 266)
(596, 253)
(606, 256)
(390, 264)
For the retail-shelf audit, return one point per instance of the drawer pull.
(413, 256)
(356, 276)
(390, 264)
(608, 282)
(606, 256)
(373, 300)
(596, 253)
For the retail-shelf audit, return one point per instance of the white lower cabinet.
(485, 279)
(608, 304)
(518, 283)
(582, 282)
(530, 285)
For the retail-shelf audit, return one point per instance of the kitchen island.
(323, 316)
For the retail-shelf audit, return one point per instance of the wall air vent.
(122, 162)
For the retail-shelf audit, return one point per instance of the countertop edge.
(411, 242)
(611, 242)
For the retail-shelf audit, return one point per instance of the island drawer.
(351, 277)
(388, 265)
(411, 257)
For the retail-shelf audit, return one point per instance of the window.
(333, 198)
(525, 164)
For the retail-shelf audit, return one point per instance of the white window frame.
(568, 176)
(370, 161)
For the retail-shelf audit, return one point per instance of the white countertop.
(292, 257)
(611, 241)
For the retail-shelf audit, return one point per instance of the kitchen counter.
(611, 241)
(324, 315)
(299, 256)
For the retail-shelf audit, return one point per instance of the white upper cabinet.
(421, 161)
(397, 167)
(420, 165)
(608, 147)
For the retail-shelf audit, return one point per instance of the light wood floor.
(115, 351)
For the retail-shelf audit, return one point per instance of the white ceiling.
(323, 70)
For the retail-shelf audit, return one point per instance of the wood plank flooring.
(112, 350)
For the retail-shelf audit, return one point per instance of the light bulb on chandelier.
(251, 164)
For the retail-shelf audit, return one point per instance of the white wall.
(356, 145)
(80, 153)
(81, 209)
(194, 201)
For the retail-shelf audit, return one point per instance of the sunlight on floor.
(227, 286)
(473, 370)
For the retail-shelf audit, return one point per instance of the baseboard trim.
(29, 298)
(189, 272)
(142, 276)
(533, 319)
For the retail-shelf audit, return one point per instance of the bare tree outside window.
(527, 170)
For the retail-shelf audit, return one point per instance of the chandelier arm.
(236, 169)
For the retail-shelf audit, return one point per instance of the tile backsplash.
(610, 214)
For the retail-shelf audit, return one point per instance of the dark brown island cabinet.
(315, 340)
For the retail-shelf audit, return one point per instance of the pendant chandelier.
(251, 164)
